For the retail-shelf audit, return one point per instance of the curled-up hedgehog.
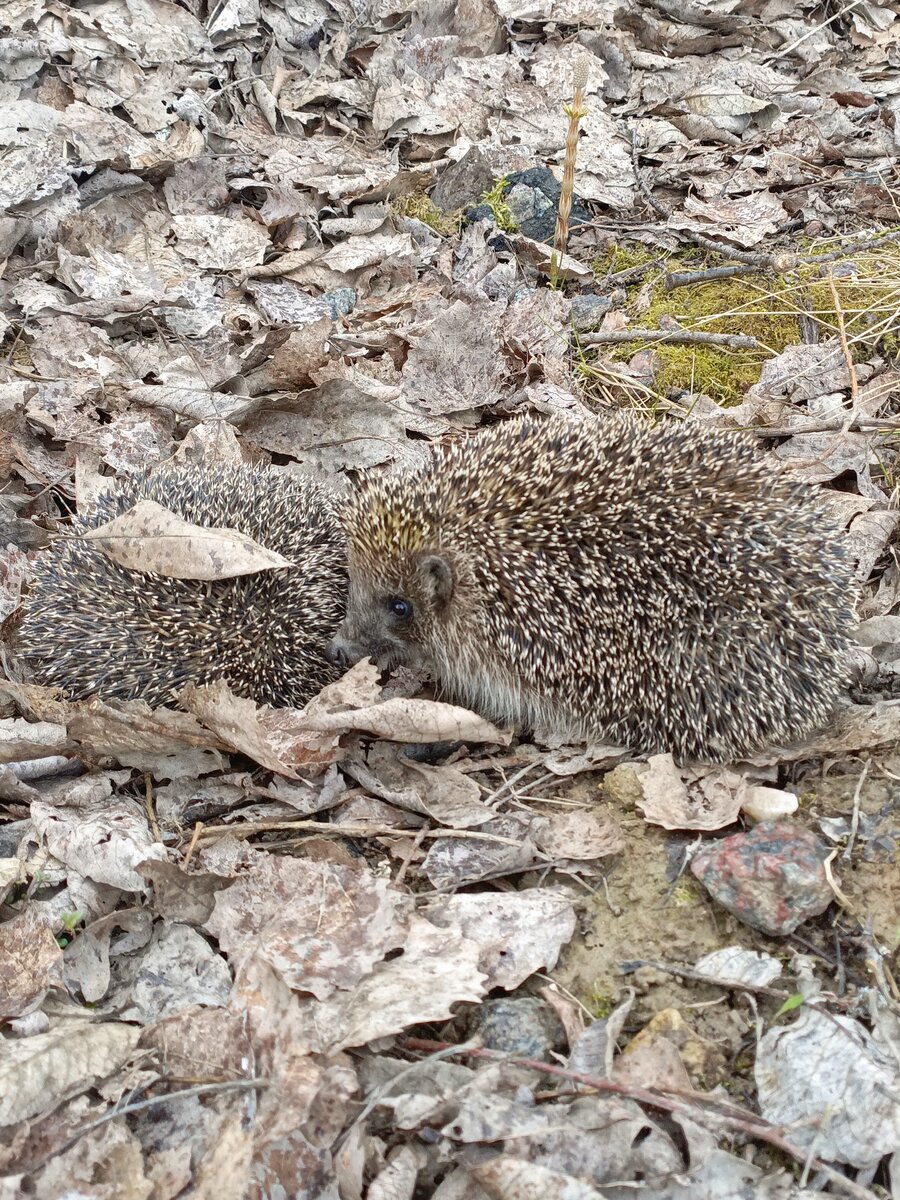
(92, 627)
(656, 588)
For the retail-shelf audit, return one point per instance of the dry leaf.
(689, 798)
(38, 1073)
(148, 537)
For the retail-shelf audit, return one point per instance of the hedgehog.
(92, 627)
(602, 579)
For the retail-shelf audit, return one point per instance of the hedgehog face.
(393, 618)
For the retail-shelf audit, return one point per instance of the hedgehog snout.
(342, 653)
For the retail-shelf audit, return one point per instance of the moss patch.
(493, 198)
(764, 306)
(423, 208)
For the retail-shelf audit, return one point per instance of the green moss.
(684, 894)
(424, 209)
(763, 306)
(493, 198)
(734, 306)
(617, 259)
(601, 1005)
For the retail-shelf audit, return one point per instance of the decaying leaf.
(38, 1073)
(148, 537)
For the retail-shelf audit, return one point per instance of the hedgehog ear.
(437, 577)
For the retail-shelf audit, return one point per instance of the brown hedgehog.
(652, 587)
(94, 627)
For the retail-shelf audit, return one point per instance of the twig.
(684, 278)
(854, 820)
(251, 828)
(233, 1085)
(886, 425)
(731, 1115)
(734, 341)
(575, 112)
(148, 805)
(195, 837)
(783, 51)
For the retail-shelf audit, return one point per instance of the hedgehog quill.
(653, 588)
(94, 627)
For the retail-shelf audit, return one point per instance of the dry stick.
(358, 829)
(231, 1085)
(886, 425)
(195, 837)
(734, 341)
(574, 111)
(854, 821)
(148, 805)
(780, 262)
(731, 1115)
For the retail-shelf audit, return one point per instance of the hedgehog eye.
(400, 608)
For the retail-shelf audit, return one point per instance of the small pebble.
(768, 804)
(524, 1026)
(340, 302)
(588, 311)
(772, 878)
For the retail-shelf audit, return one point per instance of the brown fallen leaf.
(689, 798)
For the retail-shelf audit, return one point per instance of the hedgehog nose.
(338, 653)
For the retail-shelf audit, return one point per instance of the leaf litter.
(379, 946)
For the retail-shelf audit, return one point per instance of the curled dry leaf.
(320, 925)
(689, 798)
(438, 969)
(150, 538)
(443, 793)
(578, 835)
(828, 1078)
(401, 720)
(87, 958)
(508, 848)
(855, 727)
(168, 744)
(20, 739)
(233, 719)
(734, 964)
(519, 932)
(106, 845)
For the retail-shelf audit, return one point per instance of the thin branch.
(357, 829)
(736, 1118)
(112, 1114)
(687, 337)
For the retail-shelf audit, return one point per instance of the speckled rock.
(772, 878)
(523, 1026)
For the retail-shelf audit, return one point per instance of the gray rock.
(340, 302)
(588, 311)
(533, 212)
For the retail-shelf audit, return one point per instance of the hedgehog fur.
(93, 627)
(656, 588)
